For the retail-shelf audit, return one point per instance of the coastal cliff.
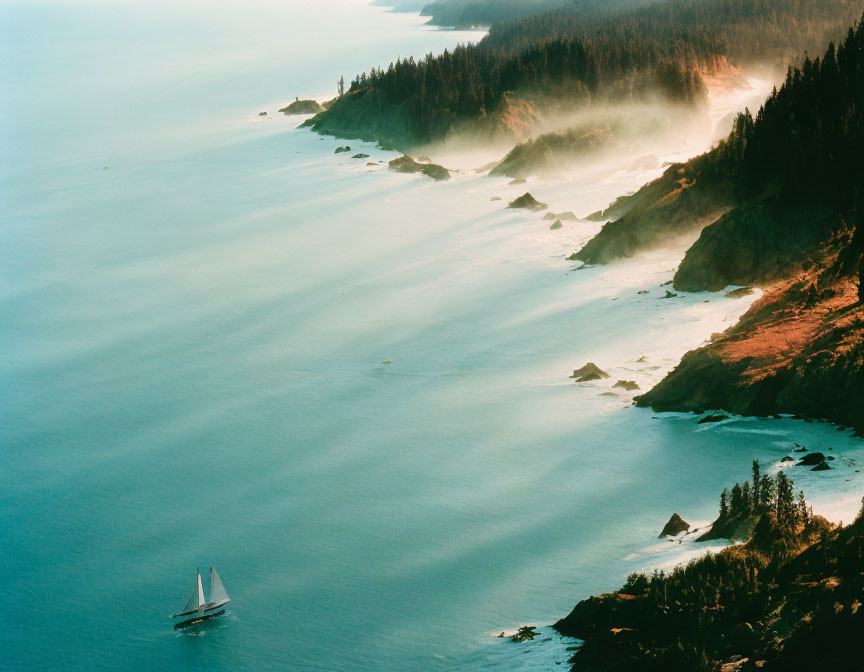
(798, 350)
(676, 205)
(785, 215)
(789, 599)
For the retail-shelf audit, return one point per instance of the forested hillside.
(789, 181)
(572, 58)
(789, 599)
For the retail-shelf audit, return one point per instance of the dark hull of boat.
(197, 619)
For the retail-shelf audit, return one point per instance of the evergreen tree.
(746, 503)
(756, 485)
(766, 491)
(785, 508)
(736, 503)
(803, 512)
(724, 503)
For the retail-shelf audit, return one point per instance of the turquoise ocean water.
(194, 306)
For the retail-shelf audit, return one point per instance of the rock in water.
(563, 216)
(518, 180)
(674, 527)
(738, 293)
(811, 460)
(556, 225)
(262, 114)
(436, 172)
(405, 164)
(302, 107)
(361, 155)
(712, 418)
(822, 466)
(589, 372)
(340, 150)
(526, 632)
(528, 202)
(628, 385)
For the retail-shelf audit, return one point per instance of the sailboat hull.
(189, 622)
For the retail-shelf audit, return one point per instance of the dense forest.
(808, 137)
(788, 599)
(777, 204)
(571, 58)
(802, 148)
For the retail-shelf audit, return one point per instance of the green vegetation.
(559, 61)
(788, 599)
(805, 143)
(785, 181)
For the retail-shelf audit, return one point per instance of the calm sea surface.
(194, 306)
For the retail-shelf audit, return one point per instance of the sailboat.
(196, 609)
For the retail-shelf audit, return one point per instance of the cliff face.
(798, 350)
(675, 205)
(754, 244)
(787, 600)
(551, 152)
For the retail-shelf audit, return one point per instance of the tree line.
(808, 137)
(572, 57)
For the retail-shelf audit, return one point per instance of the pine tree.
(736, 504)
(746, 502)
(724, 503)
(803, 512)
(785, 505)
(766, 491)
(756, 485)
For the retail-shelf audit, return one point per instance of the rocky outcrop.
(525, 633)
(405, 164)
(811, 459)
(552, 152)
(528, 202)
(754, 244)
(798, 350)
(716, 417)
(589, 372)
(673, 207)
(786, 600)
(674, 527)
(556, 225)
(628, 385)
(567, 216)
(302, 107)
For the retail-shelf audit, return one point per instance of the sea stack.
(674, 527)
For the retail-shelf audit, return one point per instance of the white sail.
(197, 598)
(200, 589)
(217, 590)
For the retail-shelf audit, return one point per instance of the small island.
(302, 107)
